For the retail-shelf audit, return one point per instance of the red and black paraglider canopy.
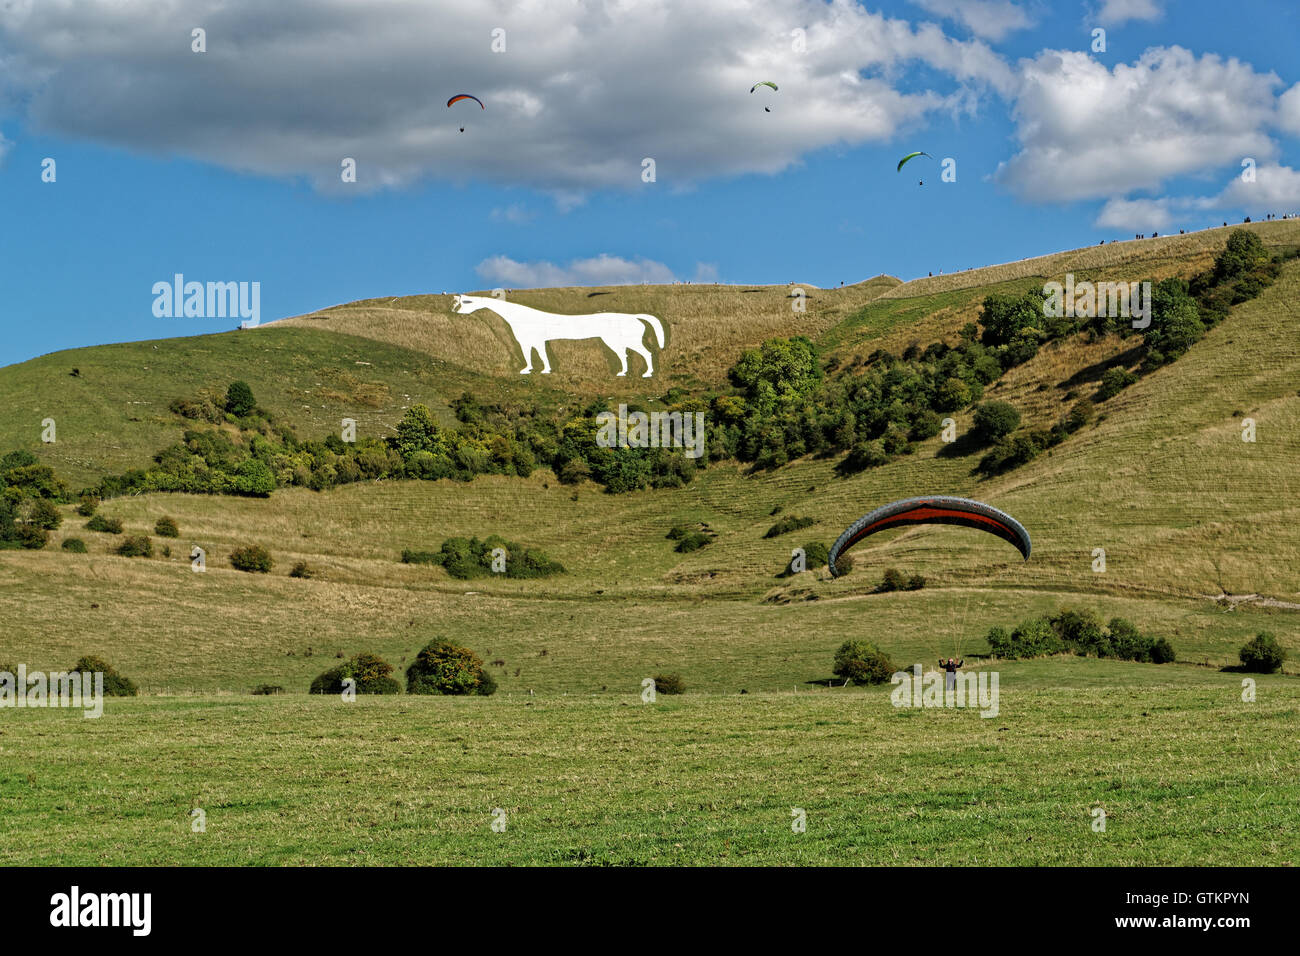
(934, 509)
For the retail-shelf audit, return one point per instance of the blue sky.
(223, 164)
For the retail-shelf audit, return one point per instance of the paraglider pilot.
(950, 677)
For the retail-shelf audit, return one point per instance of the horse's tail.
(654, 324)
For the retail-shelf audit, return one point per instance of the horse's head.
(465, 304)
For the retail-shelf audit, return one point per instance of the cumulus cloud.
(1275, 189)
(582, 94)
(603, 269)
(1288, 110)
(1115, 12)
(991, 19)
(1089, 132)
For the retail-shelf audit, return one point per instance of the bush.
(444, 668)
(787, 524)
(815, 555)
(371, 673)
(863, 663)
(302, 570)
(1162, 652)
(994, 420)
(915, 582)
(1127, 641)
(166, 528)
(239, 399)
(135, 546)
(466, 558)
(893, 580)
(252, 558)
(87, 506)
(104, 525)
(669, 684)
(1032, 638)
(74, 545)
(1113, 382)
(115, 685)
(692, 541)
(1263, 655)
(266, 690)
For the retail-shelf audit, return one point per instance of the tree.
(239, 399)
(994, 420)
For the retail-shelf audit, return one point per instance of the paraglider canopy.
(762, 83)
(938, 509)
(910, 156)
(466, 96)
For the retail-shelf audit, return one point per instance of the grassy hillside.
(1185, 510)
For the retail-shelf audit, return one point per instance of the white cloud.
(1089, 132)
(1275, 189)
(583, 92)
(1140, 215)
(1115, 12)
(1288, 110)
(991, 19)
(603, 269)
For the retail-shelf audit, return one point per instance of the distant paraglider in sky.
(911, 156)
(752, 89)
(464, 96)
(939, 509)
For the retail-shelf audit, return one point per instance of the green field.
(1202, 539)
(1183, 770)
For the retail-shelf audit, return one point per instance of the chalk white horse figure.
(532, 328)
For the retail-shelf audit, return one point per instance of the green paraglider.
(763, 83)
(911, 156)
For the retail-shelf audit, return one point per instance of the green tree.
(239, 399)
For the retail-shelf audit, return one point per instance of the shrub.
(302, 570)
(787, 524)
(1113, 382)
(115, 685)
(1162, 652)
(669, 684)
(105, 525)
(466, 558)
(74, 545)
(1127, 642)
(863, 663)
(893, 580)
(266, 690)
(371, 673)
(239, 399)
(915, 582)
(1082, 631)
(692, 541)
(815, 555)
(1031, 638)
(166, 528)
(135, 546)
(1262, 655)
(444, 668)
(87, 506)
(252, 558)
(843, 564)
(994, 420)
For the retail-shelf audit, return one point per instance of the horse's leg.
(528, 357)
(642, 351)
(546, 362)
